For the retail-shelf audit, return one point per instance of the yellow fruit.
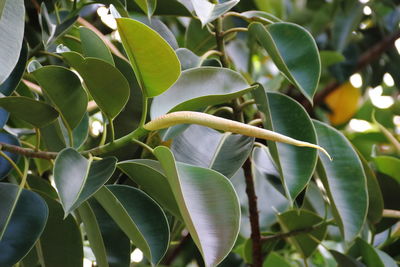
(343, 103)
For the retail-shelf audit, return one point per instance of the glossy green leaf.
(208, 204)
(75, 185)
(64, 89)
(148, 173)
(293, 51)
(197, 39)
(93, 46)
(9, 85)
(388, 165)
(208, 12)
(26, 223)
(305, 243)
(5, 166)
(274, 259)
(148, 6)
(93, 233)
(117, 244)
(368, 253)
(276, 7)
(141, 219)
(193, 91)
(284, 115)
(59, 233)
(41, 185)
(36, 113)
(12, 37)
(224, 153)
(105, 83)
(154, 61)
(344, 180)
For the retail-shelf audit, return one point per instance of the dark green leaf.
(77, 184)
(61, 240)
(64, 89)
(148, 6)
(274, 259)
(306, 242)
(26, 224)
(283, 115)
(187, 58)
(193, 91)
(93, 46)
(260, 15)
(3, 117)
(105, 83)
(118, 245)
(37, 113)
(12, 23)
(9, 85)
(294, 52)
(344, 260)
(224, 153)
(197, 39)
(5, 166)
(344, 180)
(147, 173)
(154, 61)
(208, 204)
(142, 220)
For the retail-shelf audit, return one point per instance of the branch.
(219, 37)
(366, 58)
(27, 152)
(254, 219)
(288, 234)
(395, 214)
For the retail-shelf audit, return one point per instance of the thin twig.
(391, 214)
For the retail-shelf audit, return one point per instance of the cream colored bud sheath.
(190, 117)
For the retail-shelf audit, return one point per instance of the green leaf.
(11, 83)
(148, 6)
(105, 83)
(187, 58)
(276, 7)
(155, 63)
(294, 52)
(284, 115)
(208, 12)
(93, 46)
(5, 166)
(59, 233)
(36, 113)
(375, 198)
(193, 91)
(344, 180)
(141, 219)
(197, 39)
(344, 260)
(27, 214)
(12, 36)
(260, 15)
(64, 89)
(224, 153)
(77, 184)
(93, 234)
(388, 165)
(208, 204)
(372, 256)
(307, 242)
(148, 173)
(274, 259)
(117, 244)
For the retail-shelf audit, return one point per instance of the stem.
(112, 129)
(232, 30)
(37, 147)
(210, 53)
(247, 103)
(104, 135)
(143, 145)
(254, 220)
(219, 37)
(144, 111)
(50, 54)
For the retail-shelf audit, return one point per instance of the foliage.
(199, 132)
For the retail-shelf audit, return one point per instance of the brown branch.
(178, 249)
(254, 220)
(27, 152)
(365, 59)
